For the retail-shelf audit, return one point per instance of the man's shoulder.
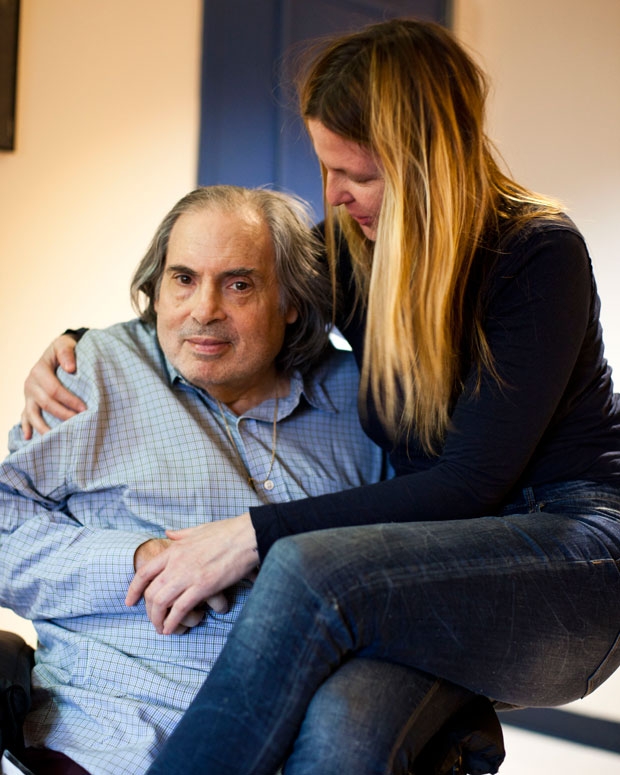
(124, 343)
(337, 377)
(130, 333)
(339, 360)
(125, 352)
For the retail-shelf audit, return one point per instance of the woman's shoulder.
(540, 257)
(529, 231)
(537, 243)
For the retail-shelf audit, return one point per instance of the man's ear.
(292, 315)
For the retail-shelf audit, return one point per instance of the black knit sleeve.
(538, 321)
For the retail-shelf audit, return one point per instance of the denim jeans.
(523, 607)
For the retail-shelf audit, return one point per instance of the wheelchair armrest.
(469, 743)
(16, 662)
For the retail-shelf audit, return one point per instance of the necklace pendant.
(267, 484)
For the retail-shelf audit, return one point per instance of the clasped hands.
(178, 574)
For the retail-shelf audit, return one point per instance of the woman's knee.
(369, 717)
(302, 560)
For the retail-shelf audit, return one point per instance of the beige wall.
(555, 114)
(555, 117)
(107, 136)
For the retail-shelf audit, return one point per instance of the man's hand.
(218, 603)
(198, 565)
(154, 547)
(148, 550)
(144, 554)
(43, 390)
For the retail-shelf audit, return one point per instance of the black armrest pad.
(16, 661)
(471, 742)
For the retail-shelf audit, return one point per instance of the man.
(224, 394)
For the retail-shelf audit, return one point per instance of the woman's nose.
(336, 192)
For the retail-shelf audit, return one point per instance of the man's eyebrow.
(236, 271)
(181, 268)
(241, 270)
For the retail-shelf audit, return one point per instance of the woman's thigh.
(524, 608)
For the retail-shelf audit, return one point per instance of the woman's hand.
(43, 390)
(153, 548)
(198, 565)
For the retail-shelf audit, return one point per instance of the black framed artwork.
(9, 31)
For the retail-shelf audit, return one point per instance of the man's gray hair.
(300, 270)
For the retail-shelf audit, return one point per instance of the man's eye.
(240, 285)
(184, 279)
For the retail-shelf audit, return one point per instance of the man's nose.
(207, 305)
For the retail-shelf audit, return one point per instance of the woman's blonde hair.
(408, 92)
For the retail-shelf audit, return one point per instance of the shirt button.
(268, 485)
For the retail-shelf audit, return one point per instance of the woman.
(490, 560)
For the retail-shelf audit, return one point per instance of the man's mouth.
(207, 345)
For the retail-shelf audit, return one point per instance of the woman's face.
(353, 178)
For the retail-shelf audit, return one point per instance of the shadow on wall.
(572, 727)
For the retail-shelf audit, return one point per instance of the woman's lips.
(363, 220)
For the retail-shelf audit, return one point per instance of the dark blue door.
(250, 134)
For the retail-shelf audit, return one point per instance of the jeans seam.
(530, 499)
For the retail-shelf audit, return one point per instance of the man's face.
(219, 316)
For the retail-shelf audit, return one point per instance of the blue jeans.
(523, 607)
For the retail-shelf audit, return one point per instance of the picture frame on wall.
(9, 33)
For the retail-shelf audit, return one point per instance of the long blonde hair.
(408, 91)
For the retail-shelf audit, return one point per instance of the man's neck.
(240, 403)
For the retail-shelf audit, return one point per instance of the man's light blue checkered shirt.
(151, 452)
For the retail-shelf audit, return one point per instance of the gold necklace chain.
(267, 483)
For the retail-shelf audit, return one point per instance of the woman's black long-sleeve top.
(554, 417)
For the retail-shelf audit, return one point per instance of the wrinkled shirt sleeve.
(52, 565)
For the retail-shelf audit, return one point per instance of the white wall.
(107, 139)
(107, 134)
(555, 117)
(555, 114)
